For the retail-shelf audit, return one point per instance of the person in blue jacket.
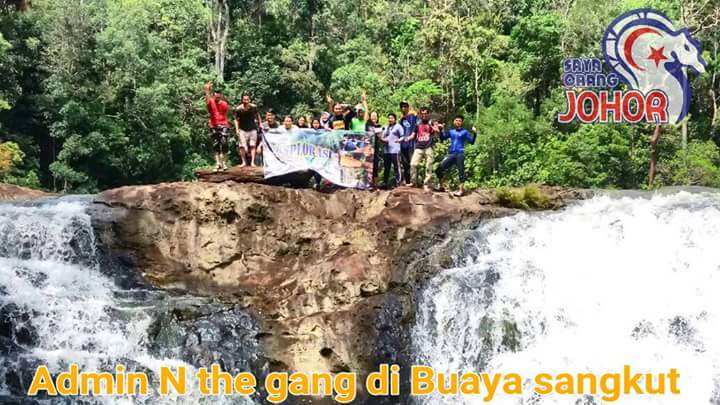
(458, 136)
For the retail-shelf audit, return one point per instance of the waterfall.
(604, 283)
(57, 307)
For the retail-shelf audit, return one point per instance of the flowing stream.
(607, 282)
(58, 305)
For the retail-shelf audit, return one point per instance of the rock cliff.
(9, 192)
(331, 276)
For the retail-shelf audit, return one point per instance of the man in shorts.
(424, 137)
(247, 119)
(219, 126)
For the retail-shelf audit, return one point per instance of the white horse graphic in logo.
(646, 51)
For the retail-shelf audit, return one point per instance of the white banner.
(344, 158)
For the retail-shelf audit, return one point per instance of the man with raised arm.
(219, 126)
(358, 123)
(342, 115)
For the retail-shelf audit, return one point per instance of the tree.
(98, 93)
(133, 120)
(595, 156)
(537, 40)
(4, 47)
(10, 157)
(219, 29)
(14, 5)
(11, 162)
(700, 167)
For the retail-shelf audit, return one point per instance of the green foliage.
(594, 156)
(4, 47)
(420, 93)
(98, 94)
(11, 159)
(10, 156)
(700, 167)
(535, 198)
(537, 40)
(511, 199)
(505, 152)
(134, 118)
(528, 197)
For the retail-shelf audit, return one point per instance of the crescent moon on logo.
(631, 41)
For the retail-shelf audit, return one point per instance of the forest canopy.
(102, 93)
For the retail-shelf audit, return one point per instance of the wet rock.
(253, 175)
(208, 333)
(511, 336)
(8, 346)
(19, 376)
(36, 279)
(16, 326)
(329, 278)
(7, 400)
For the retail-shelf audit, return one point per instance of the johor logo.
(643, 49)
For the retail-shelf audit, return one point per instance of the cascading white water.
(602, 284)
(49, 270)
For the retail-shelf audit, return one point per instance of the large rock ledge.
(331, 276)
(9, 192)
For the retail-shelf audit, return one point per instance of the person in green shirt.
(358, 123)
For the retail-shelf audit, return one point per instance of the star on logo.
(657, 55)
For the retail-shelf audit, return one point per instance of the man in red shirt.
(219, 125)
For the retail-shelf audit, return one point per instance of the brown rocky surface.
(248, 174)
(9, 192)
(235, 173)
(331, 276)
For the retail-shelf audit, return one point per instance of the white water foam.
(606, 283)
(48, 268)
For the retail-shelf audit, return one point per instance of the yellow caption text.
(343, 388)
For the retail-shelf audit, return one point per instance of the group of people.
(407, 143)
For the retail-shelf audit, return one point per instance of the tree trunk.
(713, 94)
(477, 94)
(684, 133)
(219, 28)
(452, 87)
(653, 155)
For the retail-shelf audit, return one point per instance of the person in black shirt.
(247, 119)
(341, 117)
(270, 121)
(373, 125)
(267, 126)
(302, 122)
(409, 122)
